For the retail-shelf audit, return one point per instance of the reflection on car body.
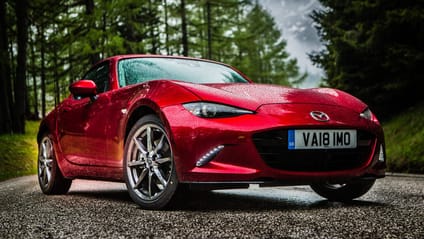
(163, 123)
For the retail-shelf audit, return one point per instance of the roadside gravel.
(394, 208)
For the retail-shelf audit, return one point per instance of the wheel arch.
(43, 129)
(47, 125)
(143, 110)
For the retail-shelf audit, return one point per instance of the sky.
(292, 17)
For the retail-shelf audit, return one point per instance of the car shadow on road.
(235, 200)
(109, 195)
(216, 201)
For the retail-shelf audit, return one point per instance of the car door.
(72, 122)
(83, 122)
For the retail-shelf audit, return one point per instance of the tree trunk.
(21, 10)
(42, 70)
(28, 113)
(56, 78)
(104, 35)
(165, 6)
(70, 62)
(5, 89)
(70, 54)
(209, 26)
(184, 40)
(153, 23)
(34, 82)
(89, 10)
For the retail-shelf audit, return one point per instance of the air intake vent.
(273, 148)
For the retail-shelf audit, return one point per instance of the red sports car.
(160, 123)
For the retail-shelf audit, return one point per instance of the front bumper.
(246, 142)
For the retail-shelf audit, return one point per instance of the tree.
(184, 37)
(261, 50)
(5, 83)
(65, 40)
(21, 10)
(374, 50)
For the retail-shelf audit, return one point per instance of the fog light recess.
(209, 156)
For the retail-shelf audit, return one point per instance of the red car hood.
(252, 96)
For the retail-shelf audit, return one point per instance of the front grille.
(273, 148)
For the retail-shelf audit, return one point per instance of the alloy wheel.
(45, 162)
(149, 162)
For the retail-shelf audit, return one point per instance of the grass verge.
(18, 153)
(405, 141)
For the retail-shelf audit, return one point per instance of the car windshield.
(137, 70)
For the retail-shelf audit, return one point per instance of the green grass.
(18, 153)
(405, 141)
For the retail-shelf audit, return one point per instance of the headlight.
(367, 114)
(212, 110)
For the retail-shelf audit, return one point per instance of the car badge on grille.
(319, 116)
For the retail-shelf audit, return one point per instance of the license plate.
(321, 139)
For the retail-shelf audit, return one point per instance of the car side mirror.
(84, 88)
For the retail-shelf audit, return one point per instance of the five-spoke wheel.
(149, 168)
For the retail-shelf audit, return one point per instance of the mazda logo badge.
(319, 116)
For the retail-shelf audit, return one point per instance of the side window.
(100, 76)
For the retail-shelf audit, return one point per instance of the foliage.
(405, 140)
(373, 49)
(18, 153)
(65, 37)
(261, 50)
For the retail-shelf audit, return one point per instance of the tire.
(149, 168)
(50, 177)
(343, 192)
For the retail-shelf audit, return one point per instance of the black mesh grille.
(273, 148)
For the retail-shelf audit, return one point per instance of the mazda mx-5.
(162, 123)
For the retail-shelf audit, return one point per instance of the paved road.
(394, 208)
